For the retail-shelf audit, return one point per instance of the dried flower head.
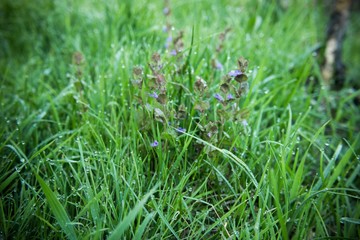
(224, 87)
(138, 71)
(239, 74)
(78, 58)
(211, 129)
(243, 64)
(156, 58)
(159, 115)
(160, 79)
(178, 44)
(241, 78)
(200, 84)
(138, 74)
(161, 98)
(181, 112)
(222, 37)
(202, 106)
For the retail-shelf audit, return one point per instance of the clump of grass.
(102, 138)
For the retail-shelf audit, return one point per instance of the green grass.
(76, 132)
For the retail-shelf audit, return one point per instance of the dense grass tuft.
(135, 119)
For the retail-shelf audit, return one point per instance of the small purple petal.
(234, 73)
(230, 97)
(166, 11)
(218, 65)
(168, 42)
(180, 130)
(165, 29)
(234, 149)
(219, 97)
(244, 123)
(153, 95)
(173, 52)
(148, 107)
(154, 144)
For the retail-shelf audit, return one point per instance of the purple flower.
(234, 73)
(173, 52)
(230, 97)
(154, 144)
(218, 65)
(219, 97)
(166, 11)
(153, 95)
(180, 130)
(168, 42)
(244, 123)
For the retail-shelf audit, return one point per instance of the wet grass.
(79, 157)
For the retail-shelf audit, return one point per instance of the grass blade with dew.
(125, 223)
(141, 229)
(231, 156)
(57, 209)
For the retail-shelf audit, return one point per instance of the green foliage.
(126, 222)
(58, 210)
(102, 102)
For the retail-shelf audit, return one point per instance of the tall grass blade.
(350, 220)
(141, 229)
(231, 156)
(57, 209)
(125, 223)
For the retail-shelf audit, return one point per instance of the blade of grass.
(276, 193)
(89, 204)
(231, 156)
(8, 180)
(297, 180)
(339, 168)
(257, 225)
(125, 223)
(350, 220)
(3, 225)
(57, 209)
(141, 229)
(164, 220)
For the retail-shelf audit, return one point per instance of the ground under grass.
(135, 120)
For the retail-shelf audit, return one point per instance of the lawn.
(175, 120)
